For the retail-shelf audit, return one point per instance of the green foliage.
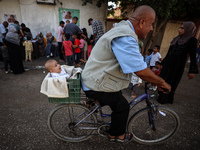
(164, 8)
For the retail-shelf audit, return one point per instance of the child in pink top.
(81, 46)
(90, 44)
(67, 44)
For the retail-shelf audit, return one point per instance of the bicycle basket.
(74, 89)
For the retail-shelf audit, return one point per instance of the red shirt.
(68, 48)
(77, 42)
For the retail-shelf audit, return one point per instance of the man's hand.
(164, 86)
(190, 75)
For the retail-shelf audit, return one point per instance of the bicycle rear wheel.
(63, 119)
(166, 124)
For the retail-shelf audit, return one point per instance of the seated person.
(56, 69)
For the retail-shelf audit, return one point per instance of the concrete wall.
(171, 31)
(40, 17)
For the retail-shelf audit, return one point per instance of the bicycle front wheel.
(164, 125)
(71, 122)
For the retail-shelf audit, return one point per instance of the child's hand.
(139, 85)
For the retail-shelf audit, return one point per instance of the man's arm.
(149, 76)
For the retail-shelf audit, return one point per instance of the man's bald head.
(142, 20)
(142, 12)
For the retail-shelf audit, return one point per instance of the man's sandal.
(127, 138)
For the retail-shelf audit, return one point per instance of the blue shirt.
(127, 52)
(147, 60)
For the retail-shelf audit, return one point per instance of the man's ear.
(141, 23)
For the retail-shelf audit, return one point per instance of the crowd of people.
(17, 42)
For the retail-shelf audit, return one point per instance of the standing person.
(77, 50)
(60, 39)
(85, 44)
(81, 46)
(174, 61)
(26, 31)
(97, 28)
(72, 28)
(6, 58)
(155, 56)
(90, 44)
(28, 48)
(109, 69)
(3, 31)
(12, 41)
(67, 46)
(135, 83)
(156, 70)
(148, 57)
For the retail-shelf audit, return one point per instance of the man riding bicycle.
(113, 59)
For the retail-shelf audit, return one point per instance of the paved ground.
(24, 112)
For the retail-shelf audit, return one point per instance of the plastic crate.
(74, 89)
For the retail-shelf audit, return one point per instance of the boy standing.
(155, 56)
(77, 49)
(28, 48)
(67, 45)
(148, 57)
(6, 59)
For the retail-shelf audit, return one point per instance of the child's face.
(155, 49)
(55, 67)
(74, 36)
(158, 66)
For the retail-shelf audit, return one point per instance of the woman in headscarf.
(40, 39)
(175, 60)
(12, 41)
(51, 45)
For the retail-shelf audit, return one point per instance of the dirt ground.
(24, 111)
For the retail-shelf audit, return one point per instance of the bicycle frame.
(132, 104)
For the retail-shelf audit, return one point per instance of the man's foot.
(126, 137)
(30, 60)
(6, 71)
(25, 60)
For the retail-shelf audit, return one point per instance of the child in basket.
(135, 83)
(55, 69)
(156, 70)
(28, 48)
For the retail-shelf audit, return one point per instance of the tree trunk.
(155, 31)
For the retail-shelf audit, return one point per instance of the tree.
(165, 10)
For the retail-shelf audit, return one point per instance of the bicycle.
(150, 125)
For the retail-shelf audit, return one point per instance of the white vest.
(102, 71)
